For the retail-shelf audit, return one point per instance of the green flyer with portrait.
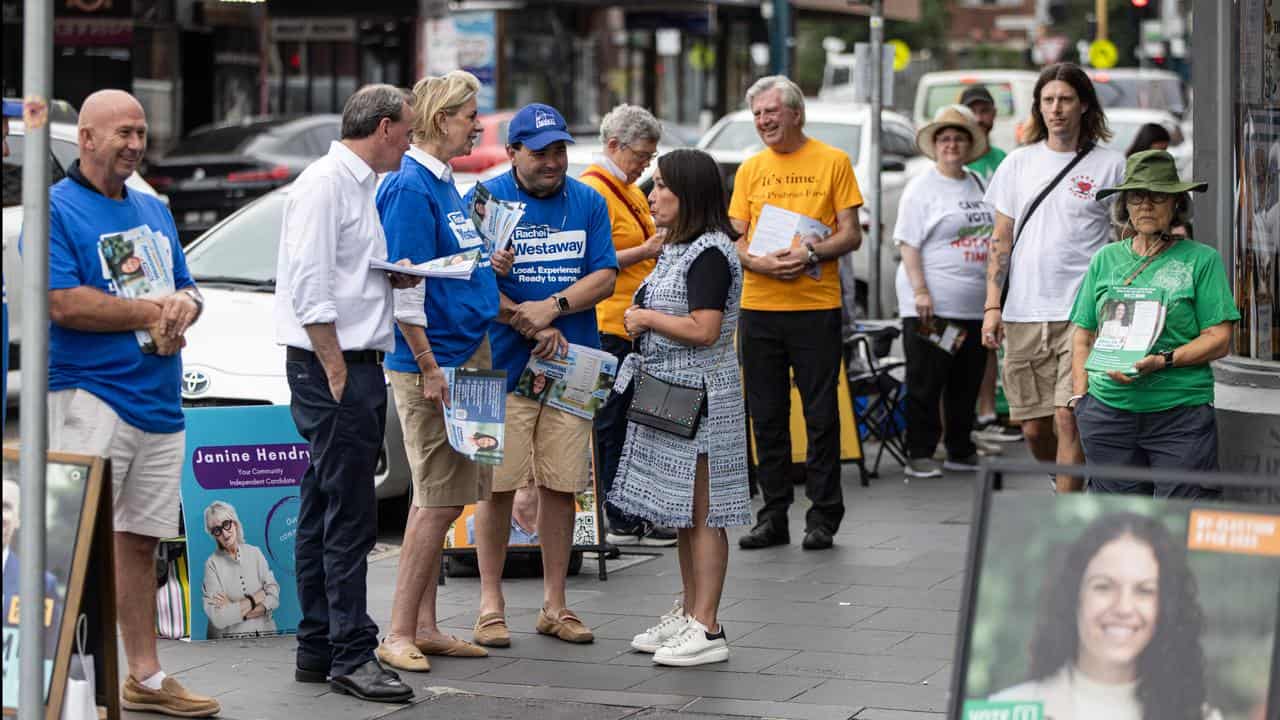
(1131, 320)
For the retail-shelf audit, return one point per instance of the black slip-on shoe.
(372, 682)
(763, 536)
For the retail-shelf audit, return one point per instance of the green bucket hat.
(1154, 171)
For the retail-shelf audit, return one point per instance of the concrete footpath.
(865, 630)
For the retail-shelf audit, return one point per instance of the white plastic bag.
(80, 702)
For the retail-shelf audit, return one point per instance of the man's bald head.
(113, 137)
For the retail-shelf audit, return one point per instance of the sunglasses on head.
(224, 528)
(1137, 197)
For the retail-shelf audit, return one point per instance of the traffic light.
(1139, 3)
(1146, 8)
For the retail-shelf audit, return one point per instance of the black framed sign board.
(79, 578)
(1126, 607)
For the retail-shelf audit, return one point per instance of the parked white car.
(848, 127)
(1013, 90)
(64, 151)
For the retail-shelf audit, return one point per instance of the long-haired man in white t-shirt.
(1046, 264)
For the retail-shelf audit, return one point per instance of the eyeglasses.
(1137, 197)
(646, 157)
(223, 529)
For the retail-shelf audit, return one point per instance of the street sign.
(1103, 54)
(901, 55)
(862, 73)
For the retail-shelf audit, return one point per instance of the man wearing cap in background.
(12, 109)
(978, 99)
(559, 265)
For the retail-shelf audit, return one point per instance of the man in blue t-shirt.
(114, 368)
(560, 263)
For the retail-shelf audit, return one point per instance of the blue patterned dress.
(656, 473)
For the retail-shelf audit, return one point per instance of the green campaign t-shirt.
(986, 165)
(1197, 297)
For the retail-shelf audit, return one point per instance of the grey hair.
(368, 106)
(219, 512)
(792, 95)
(1120, 214)
(629, 123)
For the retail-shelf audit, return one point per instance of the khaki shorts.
(442, 476)
(1037, 368)
(545, 445)
(146, 468)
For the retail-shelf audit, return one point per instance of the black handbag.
(669, 407)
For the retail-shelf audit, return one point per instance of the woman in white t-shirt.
(943, 230)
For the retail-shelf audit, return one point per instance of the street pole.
(37, 81)
(780, 30)
(1100, 15)
(874, 306)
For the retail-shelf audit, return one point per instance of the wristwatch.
(562, 303)
(1073, 401)
(1168, 358)
(196, 297)
(814, 258)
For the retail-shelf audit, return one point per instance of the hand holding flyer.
(948, 336)
(1132, 320)
(140, 264)
(577, 383)
(779, 229)
(458, 266)
(495, 219)
(476, 414)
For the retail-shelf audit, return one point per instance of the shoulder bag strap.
(644, 227)
(977, 181)
(1022, 224)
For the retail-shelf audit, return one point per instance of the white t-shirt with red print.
(1070, 225)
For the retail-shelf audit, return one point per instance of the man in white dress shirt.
(334, 314)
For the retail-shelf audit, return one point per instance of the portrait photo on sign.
(1117, 315)
(1091, 606)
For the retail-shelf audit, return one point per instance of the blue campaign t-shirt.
(143, 389)
(423, 218)
(559, 240)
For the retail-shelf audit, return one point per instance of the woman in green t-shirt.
(1160, 413)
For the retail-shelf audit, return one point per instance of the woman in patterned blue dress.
(684, 320)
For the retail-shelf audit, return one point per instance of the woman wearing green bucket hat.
(1158, 412)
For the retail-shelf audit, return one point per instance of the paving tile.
(950, 560)
(884, 576)
(462, 705)
(740, 686)
(942, 678)
(604, 697)
(878, 668)
(743, 588)
(251, 703)
(741, 659)
(883, 714)
(541, 647)
(892, 597)
(890, 696)
(587, 675)
(925, 645)
(808, 637)
(929, 621)
(645, 605)
(873, 557)
(768, 709)
(454, 668)
(827, 614)
(955, 583)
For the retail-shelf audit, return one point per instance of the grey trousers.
(1181, 438)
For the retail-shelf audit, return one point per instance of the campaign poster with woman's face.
(1128, 608)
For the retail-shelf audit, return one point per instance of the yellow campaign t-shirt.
(816, 180)
(632, 225)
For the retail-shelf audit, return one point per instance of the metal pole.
(1224, 111)
(1100, 15)
(780, 31)
(37, 81)
(874, 306)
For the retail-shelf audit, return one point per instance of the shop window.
(1256, 236)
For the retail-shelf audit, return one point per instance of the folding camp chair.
(878, 389)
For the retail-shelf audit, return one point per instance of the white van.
(1013, 91)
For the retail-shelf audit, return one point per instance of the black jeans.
(610, 429)
(933, 376)
(338, 514)
(808, 341)
(1180, 438)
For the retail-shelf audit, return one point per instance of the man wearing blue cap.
(560, 263)
(12, 109)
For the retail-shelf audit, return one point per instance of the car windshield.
(243, 248)
(219, 140)
(1156, 93)
(741, 135)
(941, 95)
(63, 152)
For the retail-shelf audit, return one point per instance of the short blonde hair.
(433, 95)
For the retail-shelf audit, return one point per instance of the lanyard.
(1146, 263)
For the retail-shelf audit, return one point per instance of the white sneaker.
(668, 627)
(694, 646)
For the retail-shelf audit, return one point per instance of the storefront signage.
(313, 29)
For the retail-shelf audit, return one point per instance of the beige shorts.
(146, 468)
(547, 446)
(442, 476)
(1037, 368)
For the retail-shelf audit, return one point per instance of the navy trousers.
(338, 515)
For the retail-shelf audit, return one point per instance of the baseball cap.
(12, 109)
(536, 126)
(976, 93)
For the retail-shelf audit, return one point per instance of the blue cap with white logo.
(536, 126)
(12, 109)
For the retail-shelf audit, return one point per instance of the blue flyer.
(476, 415)
(240, 504)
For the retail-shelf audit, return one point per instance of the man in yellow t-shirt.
(790, 317)
(630, 137)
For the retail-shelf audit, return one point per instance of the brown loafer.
(568, 627)
(402, 656)
(452, 647)
(491, 631)
(170, 699)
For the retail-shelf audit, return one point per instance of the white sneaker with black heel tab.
(670, 625)
(694, 646)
